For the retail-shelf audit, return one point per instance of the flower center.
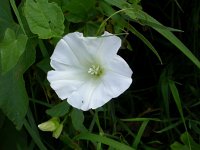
(95, 70)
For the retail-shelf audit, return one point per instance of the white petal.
(75, 49)
(64, 88)
(75, 42)
(64, 54)
(110, 44)
(94, 94)
(119, 66)
(105, 46)
(81, 97)
(115, 84)
(58, 65)
(65, 82)
(101, 95)
(90, 95)
(74, 55)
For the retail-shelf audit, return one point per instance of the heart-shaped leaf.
(11, 48)
(44, 19)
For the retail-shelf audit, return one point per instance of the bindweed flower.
(87, 70)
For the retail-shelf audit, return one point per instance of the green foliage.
(45, 19)
(104, 140)
(11, 141)
(14, 98)
(59, 110)
(78, 10)
(11, 48)
(135, 13)
(161, 105)
(77, 118)
(185, 144)
(6, 20)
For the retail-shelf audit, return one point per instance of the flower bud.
(50, 125)
(57, 132)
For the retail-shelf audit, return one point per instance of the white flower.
(87, 70)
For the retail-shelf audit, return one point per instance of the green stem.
(14, 7)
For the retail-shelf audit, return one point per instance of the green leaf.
(11, 138)
(11, 48)
(44, 65)
(119, 3)
(171, 37)
(184, 138)
(91, 28)
(34, 135)
(186, 145)
(14, 98)
(59, 110)
(78, 119)
(121, 23)
(14, 7)
(135, 12)
(45, 19)
(169, 127)
(139, 134)
(69, 142)
(6, 20)
(178, 146)
(98, 138)
(146, 41)
(140, 119)
(79, 10)
(164, 87)
(177, 99)
(110, 12)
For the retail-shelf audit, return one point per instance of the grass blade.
(141, 37)
(140, 133)
(104, 140)
(141, 119)
(172, 38)
(34, 136)
(177, 99)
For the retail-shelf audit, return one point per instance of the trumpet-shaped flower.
(87, 70)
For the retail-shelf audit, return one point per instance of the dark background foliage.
(151, 94)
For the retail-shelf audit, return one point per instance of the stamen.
(95, 70)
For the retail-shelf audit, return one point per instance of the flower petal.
(58, 66)
(74, 55)
(64, 88)
(105, 46)
(115, 84)
(75, 43)
(93, 97)
(78, 97)
(75, 49)
(65, 82)
(119, 65)
(110, 45)
(64, 54)
(111, 87)
(94, 94)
